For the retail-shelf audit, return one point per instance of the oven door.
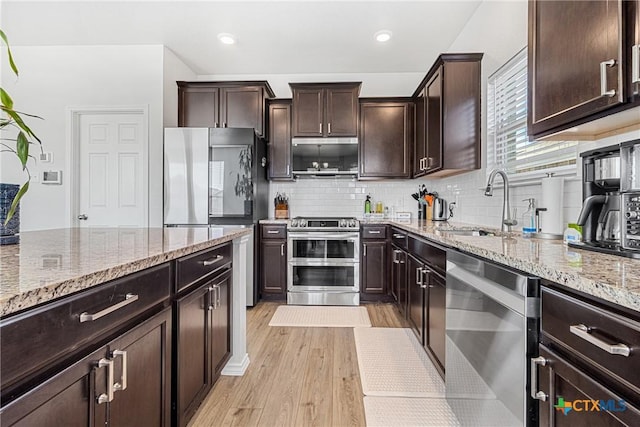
(313, 246)
(326, 276)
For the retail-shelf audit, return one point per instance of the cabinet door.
(435, 339)
(198, 106)
(192, 364)
(434, 123)
(399, 280)
(273, 261)
(280, 141)
(220, 336)
(566, 384)
(374, 267)
(242, 107)
(569, 41)
(342, 112)
(67, 399)
(308, 112)
(385, 130)
(420, 119)
(416, 303)
(142, 361)
(635, 51)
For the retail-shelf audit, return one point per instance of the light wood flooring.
(297, 376)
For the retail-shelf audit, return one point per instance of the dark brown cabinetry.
(426, 297)
(587, 354)
(374, 271)
(223, 104)
(202, 342)
(273, 261)
(399, 279)
(579, 62)
(121, 383)
(385, 138)
(447, 117)
(280, 140)
(325, 109)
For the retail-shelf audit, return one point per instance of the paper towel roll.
(551, 220)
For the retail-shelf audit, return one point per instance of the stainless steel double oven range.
(323, 261)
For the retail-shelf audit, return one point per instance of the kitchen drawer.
(38, 342)
(434, 256)
(374, 232)
(564, 319)
(399, 238)
(274, 232)
(192, 268)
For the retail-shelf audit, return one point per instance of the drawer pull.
(398, 236)
(273, 231)
(212, 261)
(373, 231)
(128, 299)
(583, 332)
(108, 396)
(538, 395)
(122, 385)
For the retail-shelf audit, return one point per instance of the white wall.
(54, 78)
(173, 70)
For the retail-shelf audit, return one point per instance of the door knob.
(82, 217)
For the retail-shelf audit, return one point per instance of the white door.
(112, 185)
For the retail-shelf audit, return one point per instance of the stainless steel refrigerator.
(216, 176)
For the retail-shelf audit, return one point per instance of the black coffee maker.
(600, 214)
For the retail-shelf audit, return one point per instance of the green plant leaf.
(13, 64)
(16, 200)
(16, 117)
(22, 148)
(6, 99)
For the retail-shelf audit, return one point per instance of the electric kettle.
(441, 210)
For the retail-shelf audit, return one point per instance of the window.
(509, 144)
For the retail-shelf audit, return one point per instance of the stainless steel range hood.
(325, 157)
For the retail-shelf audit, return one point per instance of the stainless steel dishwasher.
(492, 323)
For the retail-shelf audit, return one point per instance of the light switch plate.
(46, 157)
(52, 177)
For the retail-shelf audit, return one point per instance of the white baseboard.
(236, 366)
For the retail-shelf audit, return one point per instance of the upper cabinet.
(223, 104)
(323, 110)
(447, 117)
(582, 57)
(280, 140)
(386, 138)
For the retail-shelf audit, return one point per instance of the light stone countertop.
(50, 264)
(611, 278)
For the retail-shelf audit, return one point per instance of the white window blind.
(509, 144)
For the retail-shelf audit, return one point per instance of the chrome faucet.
(507, 221)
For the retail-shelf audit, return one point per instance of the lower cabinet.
(126, 381)
(435, 328)
(273, 261)
(399, 278)
(374, 262)
(202, 343)
(416, 295)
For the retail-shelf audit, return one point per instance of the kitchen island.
(95, 311)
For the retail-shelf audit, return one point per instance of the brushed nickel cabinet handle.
(535, 394)
(398, 236)
(604, 91)
(273, 231)
(320, 130)
(582, 331)
(107, 397)
(329, 125)
(419, 276)
(122, 385)
(373, 231)
(364, 250)
(128, 299)
(282, 249)
(635, 63)
(212, 260)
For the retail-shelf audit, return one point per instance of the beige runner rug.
(393, 363)
(408, 411)
(320, 316)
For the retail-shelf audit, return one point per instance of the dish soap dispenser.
(529, 219)
(367, 205)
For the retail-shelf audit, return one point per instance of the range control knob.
(632, 214)
(302, 223)
(352, 223)
(294, 222)
(343, 223)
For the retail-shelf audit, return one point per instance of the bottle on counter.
(529, 219)
(367, 205)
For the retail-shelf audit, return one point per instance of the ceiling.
(273, 37)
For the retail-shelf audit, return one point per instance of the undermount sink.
(466, 231)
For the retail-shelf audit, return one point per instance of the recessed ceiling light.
(383, 36)
(226, 38)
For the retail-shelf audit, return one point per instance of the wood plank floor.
(297, 376)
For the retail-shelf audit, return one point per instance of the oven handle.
(311, 235)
